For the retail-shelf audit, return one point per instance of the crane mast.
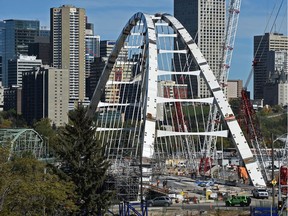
(222, 77)
(228, 45)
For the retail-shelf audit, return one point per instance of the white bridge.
(148, 106)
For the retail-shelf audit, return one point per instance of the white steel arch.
(143, 113)
(150, 76)
(223, 105)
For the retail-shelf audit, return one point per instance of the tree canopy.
(29, 187)
(10, 119)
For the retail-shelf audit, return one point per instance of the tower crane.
(222, 77)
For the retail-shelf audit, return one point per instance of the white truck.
(260, 193)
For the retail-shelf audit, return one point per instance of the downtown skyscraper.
(92, 44)
(263, 44)
(67, 37)
(205, 22)
(15, 35)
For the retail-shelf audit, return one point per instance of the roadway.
(206, 207)
(178, 184)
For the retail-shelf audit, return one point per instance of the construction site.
(162, 137)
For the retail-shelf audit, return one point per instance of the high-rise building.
(122, 70)
(45, 95)
(15, 35)
(94, 76)
(92, 44)
(41, 47)
(275, 91)
(18, 65)
(41, 51)
(97, 66)
(262, 45)
(205, 22)
(106, 47)
(67, 35)
(44, 32)
(234, 88)
(13, 99)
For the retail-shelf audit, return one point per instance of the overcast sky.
(110, 16)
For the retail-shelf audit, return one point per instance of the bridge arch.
(22, 140)
(146, 104)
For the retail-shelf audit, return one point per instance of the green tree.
(277, 108)
(6, 123)
(43, 127)
(10, 119)
(28, 187)
(83, 161)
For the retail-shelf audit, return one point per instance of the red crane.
(249, 123)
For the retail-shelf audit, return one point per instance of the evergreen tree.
(83, 160)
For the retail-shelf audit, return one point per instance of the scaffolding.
(124, 179)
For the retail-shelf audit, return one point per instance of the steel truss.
(20, 141)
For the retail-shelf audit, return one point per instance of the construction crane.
(222, 77)
(250, 124)
(228, 45)
(247, 117)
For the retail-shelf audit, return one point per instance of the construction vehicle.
(238, 200)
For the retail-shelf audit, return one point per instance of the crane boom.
(222, 77)
(229, 39)
(249, 122)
